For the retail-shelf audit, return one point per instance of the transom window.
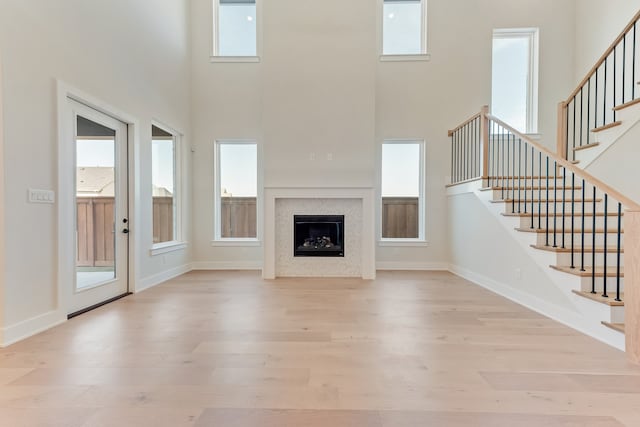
(404, 27)
(235, 28)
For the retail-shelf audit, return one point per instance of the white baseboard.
(227, 265)
(566, 317)
(27, 328)
(156, 279)
(412, 266)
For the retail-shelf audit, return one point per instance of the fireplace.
(318, 235)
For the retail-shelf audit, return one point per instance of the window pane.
(238, 189)
(163, 181)
(237, 29)
(400, 190)
(510, 80)
(402, 27)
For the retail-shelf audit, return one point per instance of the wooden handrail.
(627, 202)
(604, 56)
(466, 122)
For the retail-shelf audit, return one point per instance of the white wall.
(131, 55)
(482, 246)
(321, 89)
(598, 23)
(618, 165)
(426, 99)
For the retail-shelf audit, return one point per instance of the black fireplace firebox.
(318, 235)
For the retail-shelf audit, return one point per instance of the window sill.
(163, 248)
(235, 59)
(405, 58)
(237, 242)
(402, 243)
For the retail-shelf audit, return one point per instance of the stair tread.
(587, 249)
(528, 187)
(586, 146)
(607, 126)
(588, 271)
(599, 298)
(544, 200)
(559, 214)
(524, 177)
(567, 230)
(615, 326)
(626, 104)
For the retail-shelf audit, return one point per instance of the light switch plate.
(41, 196)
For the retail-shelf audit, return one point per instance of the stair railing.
(607, 87)
(573, 210)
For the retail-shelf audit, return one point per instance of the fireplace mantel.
(363, 197)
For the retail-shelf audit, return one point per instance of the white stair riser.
(612, 222)
(585, 285)
(612, 239)
(565, 259)
(512, 207)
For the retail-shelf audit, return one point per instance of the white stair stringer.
(585, 316)
(628, 117)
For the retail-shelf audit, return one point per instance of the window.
(402, 190)
(404, 27)
(236, 190)
(235, 28)
(165, 188)
(514, 86)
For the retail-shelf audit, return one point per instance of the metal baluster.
(453, 156)
(513, 174)
(588, 110)
(624, 65)
(519, 171)
(573, 217)
(525, 179)
(555, 201)
(539, 190)
(604, 273)
(595, 103)
(564, 179)
(604, 94)
(615, 75)
(532, 186)
(618, 275)
(547, 207)
(593, 245)
(633, 71)
(574, 125)
(582, 229)
(581, 114)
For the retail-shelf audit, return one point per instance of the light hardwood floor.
(227, 349)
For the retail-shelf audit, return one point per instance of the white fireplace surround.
(341, 201)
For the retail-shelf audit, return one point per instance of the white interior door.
(100, 206)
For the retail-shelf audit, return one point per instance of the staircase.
(571, 222)
(605, 104)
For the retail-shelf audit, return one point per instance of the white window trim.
(215, 37)
(533, 34)
(421, 240)
(218, 240)
(178, 242)
(424, 54)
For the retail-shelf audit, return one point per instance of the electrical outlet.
(41, 196)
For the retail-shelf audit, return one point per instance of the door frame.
(65, 198)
